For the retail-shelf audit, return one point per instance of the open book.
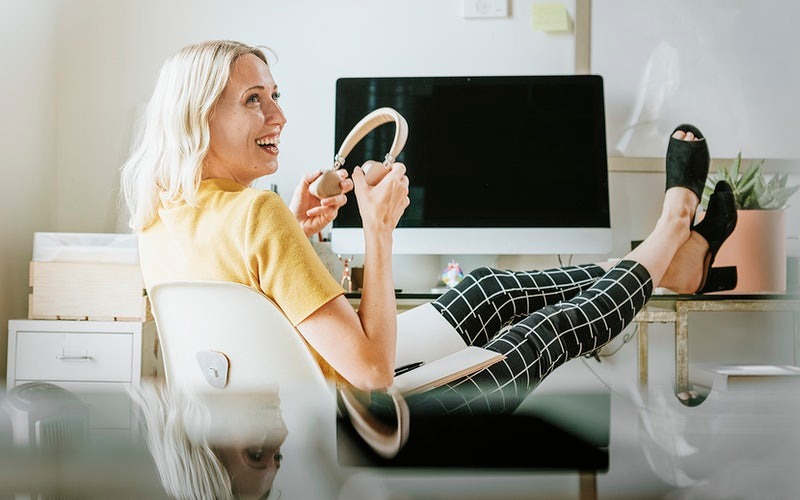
(431, 353)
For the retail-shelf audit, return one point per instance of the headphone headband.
(367, 125)
(328, 184)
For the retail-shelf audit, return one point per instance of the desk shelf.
(676, 308)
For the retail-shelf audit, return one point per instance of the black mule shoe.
(718, 223)
(688, 161)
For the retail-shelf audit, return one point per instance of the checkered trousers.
(538, 320)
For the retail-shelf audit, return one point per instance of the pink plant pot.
(757, 248)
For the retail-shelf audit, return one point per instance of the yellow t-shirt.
(242, 235)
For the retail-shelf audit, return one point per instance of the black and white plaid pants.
(538, 320)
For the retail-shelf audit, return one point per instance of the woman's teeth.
(268, 141)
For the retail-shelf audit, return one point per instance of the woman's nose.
(274, 114)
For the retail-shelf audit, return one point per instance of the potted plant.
(757, 246)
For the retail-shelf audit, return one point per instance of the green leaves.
(751, 188)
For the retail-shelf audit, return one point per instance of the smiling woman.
(246, 125)
(212, 126)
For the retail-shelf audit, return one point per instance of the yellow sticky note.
(550, 17)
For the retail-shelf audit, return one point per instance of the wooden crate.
(87, 291)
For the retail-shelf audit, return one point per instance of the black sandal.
(716, 226)
(688, 161)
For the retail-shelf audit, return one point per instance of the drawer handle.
(68, 358)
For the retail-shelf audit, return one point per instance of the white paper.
(424, 335)
(112, 248)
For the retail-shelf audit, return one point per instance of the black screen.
(505, 151)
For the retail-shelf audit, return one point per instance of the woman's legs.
(488, 300)
(549, 337)
(542, 341)
(671, 234)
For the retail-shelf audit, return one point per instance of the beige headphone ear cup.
(374, 171)
(326, 185)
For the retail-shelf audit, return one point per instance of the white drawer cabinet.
(84, 355)
(95, 360)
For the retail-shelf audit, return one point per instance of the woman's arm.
(361, 346)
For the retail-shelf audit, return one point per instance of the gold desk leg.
(796, 320)
(587, 485)
(681, 349)
(642, 341)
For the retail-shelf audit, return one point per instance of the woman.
(213, 126)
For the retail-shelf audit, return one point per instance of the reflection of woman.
(219, 447)
(213, 127)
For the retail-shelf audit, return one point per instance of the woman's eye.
(254, 98)
(276, 95)
(278, 456)
(255, 454)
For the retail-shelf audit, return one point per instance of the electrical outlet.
(471, 9)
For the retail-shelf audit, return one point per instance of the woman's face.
(245, 125)
(252, 469)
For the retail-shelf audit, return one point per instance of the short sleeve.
(285, 264)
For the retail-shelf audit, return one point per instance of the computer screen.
(497, 164)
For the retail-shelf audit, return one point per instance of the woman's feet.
(686, 176)
(687, 167)
(677, 255)
(717, 225)
(687, 159)
(691, 268)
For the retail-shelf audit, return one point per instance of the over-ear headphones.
(327, 184)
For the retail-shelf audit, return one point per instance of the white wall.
(732, 68)
(109, 54)
(28, 143)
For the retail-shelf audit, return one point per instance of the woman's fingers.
(311, 177)
(335, 201)
(346, 185)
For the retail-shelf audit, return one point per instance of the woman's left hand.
(314, 213)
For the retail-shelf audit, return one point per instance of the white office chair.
(221, 336)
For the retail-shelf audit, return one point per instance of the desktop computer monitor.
(497, 164)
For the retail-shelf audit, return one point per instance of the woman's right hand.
(362, 347)
(382, 205)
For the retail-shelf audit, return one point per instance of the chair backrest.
(205, 325)
(218, 335)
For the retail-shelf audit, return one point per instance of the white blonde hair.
(167, 160)
(186, 463)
